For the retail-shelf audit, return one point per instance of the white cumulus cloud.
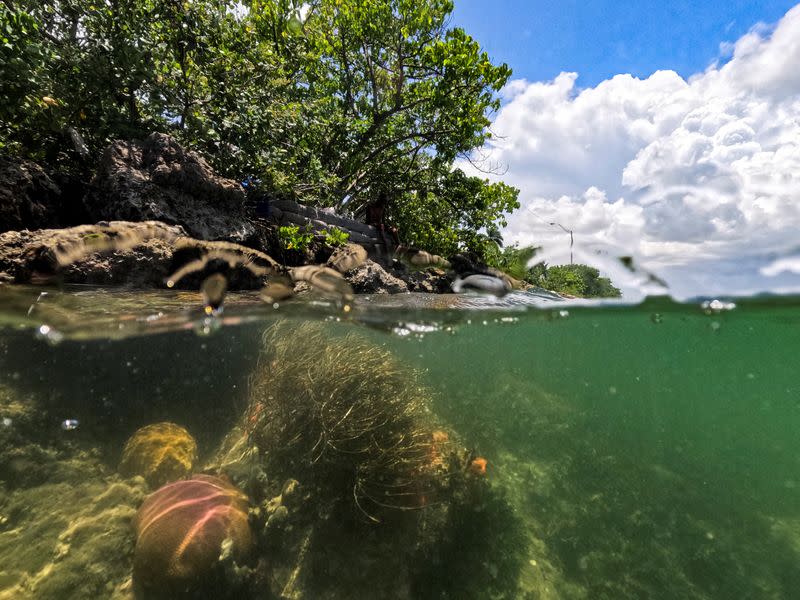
(699, 174)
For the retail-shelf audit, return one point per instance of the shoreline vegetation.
(201, 115)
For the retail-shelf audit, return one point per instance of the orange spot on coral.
(435, 458)
(439, 436)
(478, 466)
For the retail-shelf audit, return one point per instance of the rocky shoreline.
(177, 194)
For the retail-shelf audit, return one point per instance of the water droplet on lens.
(207, 326)
(69, 424)
(213, 290)
(50, 335)
(716, 306)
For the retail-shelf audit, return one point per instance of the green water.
(646, 451)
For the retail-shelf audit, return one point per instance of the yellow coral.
(161, 453)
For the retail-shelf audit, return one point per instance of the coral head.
(180, 530)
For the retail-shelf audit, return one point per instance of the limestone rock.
(432, 281)
(348, 257)
(157, 179)
(28, 256)
(371, 278)
(28, 197)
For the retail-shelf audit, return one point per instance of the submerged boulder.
(161, 453)
(157, 179)
(182, 530)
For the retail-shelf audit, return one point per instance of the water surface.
(642, 451)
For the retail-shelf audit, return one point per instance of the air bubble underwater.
(207, 325)
(70, 424)
(712, 307)
(50, 335)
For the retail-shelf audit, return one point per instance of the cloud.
(673, 171)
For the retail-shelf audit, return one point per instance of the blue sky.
(600, 38)
(677, 142)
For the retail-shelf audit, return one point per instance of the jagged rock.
(123, 253)
(348, 257)
(371, 278)
(28, 197)
(28, 256)
(433, 281)
(157, 179)
(465, 264)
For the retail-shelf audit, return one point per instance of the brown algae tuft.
(345, 414)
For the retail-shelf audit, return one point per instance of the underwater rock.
(65, 519)
(33, 449)
(69, 538)
(276, 510)
(239, 461)
(180, 531)
(157, 179)
(161, 453)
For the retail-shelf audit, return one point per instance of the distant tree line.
(578, 280)
(341, 103)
